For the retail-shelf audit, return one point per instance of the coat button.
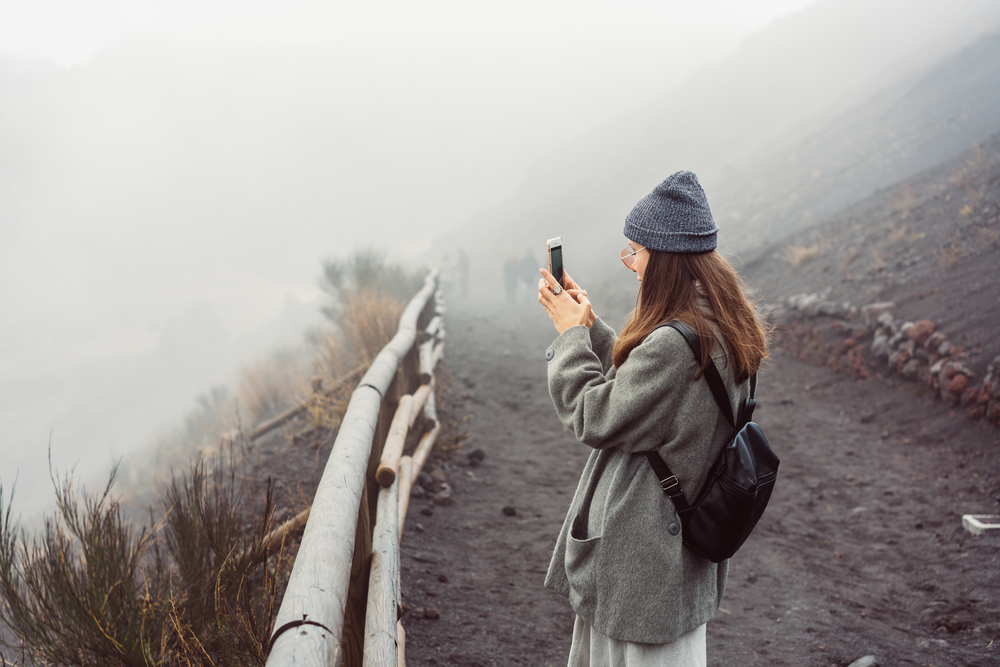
(673, 528)
(549, 354)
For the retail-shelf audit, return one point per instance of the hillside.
(900, 132)
(777, 143)
(927, 248)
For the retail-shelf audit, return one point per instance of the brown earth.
(930, 245)
(860, 552)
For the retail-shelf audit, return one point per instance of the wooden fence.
(341, 606)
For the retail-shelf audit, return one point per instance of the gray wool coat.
(615, 560)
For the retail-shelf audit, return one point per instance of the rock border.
(913, 351)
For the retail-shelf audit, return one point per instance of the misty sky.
(71, 31)
(171, 174)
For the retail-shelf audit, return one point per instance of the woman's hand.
(569, 308)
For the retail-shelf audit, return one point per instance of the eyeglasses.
(628, 256)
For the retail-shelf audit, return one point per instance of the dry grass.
(951, 256)
(271, 385)
(190, 585)
(799, 255)
(987, 236)
(896, 234)
(192, 588)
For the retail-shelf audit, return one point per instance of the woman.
(640, 597)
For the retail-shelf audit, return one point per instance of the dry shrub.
(368, 320)
(271, 385)
(196, 588)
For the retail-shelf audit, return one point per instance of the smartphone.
(555, 252)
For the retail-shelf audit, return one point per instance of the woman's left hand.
(565, 309)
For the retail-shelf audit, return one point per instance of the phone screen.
(556, 259)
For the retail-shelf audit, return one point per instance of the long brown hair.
(668, 292)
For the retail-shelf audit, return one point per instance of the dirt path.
(861, 551)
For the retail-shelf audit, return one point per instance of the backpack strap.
(668, 481)
(711, 373)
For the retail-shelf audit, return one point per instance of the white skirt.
(592, 649)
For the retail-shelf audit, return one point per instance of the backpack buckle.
(669, 483)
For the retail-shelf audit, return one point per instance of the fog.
(172, 174)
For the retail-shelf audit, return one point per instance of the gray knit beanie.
(674, 217)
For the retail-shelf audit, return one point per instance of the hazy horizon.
(171, 176)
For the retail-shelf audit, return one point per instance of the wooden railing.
(341, 605)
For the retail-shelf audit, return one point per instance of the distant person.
(447, 275)
(529, 274)
(510, 274)
(463, 272)
(641, 597)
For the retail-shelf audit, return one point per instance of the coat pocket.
(581, 561)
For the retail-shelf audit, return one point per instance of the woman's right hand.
(575, 291)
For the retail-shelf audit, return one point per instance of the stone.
(936, 366)
(880, 345)
(896, 339)
(443, 578)
(905, 328)
(956, 367)
(812, 308)
(908, 346)
(438, 476)
(871, 313)
(976, 411)
(867, 661)
(910, 369)
(443, 497)
(476, 457)
(934, 341)
(432, 613)
(418, 492)
(509, 510)
(427, 511)
(920, 331)
(424, 479)
(958, 383)
(887, 320)
(804, 301)
(834, 308)
(944, 348)
(993, 412)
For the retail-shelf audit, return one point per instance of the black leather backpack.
(737, 490)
